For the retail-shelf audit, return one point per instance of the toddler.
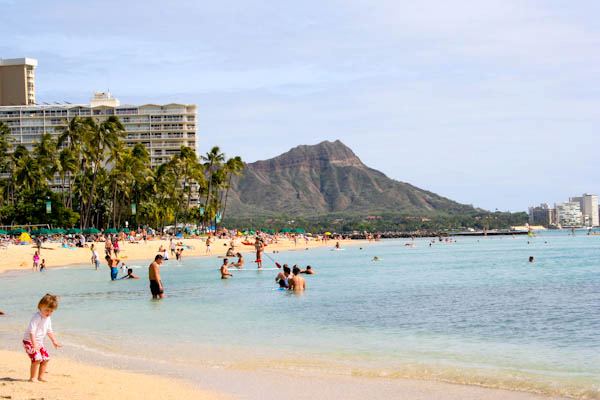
(33, 339)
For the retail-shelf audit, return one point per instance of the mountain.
(327, 178)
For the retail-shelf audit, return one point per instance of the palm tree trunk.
(114, 204)
(226, 197)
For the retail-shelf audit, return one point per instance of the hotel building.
(569, 214)
(589, 208)
(542, 215)
(162, 129)
(17, 81)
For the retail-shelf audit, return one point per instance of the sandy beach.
(19, 257)
(72, 380)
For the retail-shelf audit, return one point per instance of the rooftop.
(18, 61)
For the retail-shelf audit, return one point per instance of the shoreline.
(69, 378)
(19, 257)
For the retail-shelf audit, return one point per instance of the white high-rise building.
(569, 214)
(162, 129)
(590, 209)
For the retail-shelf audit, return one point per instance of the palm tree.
(233, 167)
(26, 171)
(212, 162)
(44, 152)
(5, 160)
(100, 139)
(68, 167)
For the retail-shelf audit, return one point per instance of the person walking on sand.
(297, 283)
(156, 286)
(95, 258)
(108, 246)
(36, 260)
(39, 327)
(208, 243)
(172, 247)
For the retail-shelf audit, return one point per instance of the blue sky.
(491, 103)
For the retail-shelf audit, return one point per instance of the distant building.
(162, 129)
(542, 215)
(569, 214)
(17, 81)
(589, 208)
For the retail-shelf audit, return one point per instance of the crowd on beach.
(40, 324)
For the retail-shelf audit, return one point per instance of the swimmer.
(337, 245)
(376, 258)
(129, 275)
(308, 270)
(224, 271)
(531, 259)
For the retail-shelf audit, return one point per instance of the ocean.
(474, 311)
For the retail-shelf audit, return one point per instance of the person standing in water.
(260, 247)
(240, 262)
(225, 274)
(297, 283)
(112, 264)
(156, 286)
(283, 277)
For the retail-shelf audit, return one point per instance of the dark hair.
(238, 255)
(225, 260)
(158, 257)
(308, 267)
(129, 270)
(286, 268)
(296, 270)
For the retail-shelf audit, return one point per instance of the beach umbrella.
(91, 231)
(111, 230)
(58, 231)
(24, 237)
(286, 230)
(298, 230)
(16, 231)
(73, 230)
(3, 232)
(328, 233)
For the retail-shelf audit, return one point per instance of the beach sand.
(72, 380)
(20, 257)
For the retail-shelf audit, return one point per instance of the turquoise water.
(473, 312)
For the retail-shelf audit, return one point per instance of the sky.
(493, 103)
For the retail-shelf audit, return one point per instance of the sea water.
(473, 312)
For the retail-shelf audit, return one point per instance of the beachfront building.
(569, 214)
(589, 208)
(542, 215)
(17, 81)
(162, 129)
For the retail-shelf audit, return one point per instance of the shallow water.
(472, 312)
